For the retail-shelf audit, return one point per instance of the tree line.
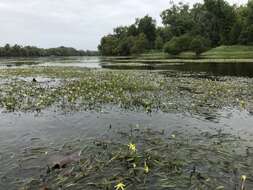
(32, 51)
(197, 28)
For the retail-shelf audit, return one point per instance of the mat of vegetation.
(84, 89)
(142, 158)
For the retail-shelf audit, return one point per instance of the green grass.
(230, 52)
(161, 55)
(221, 52)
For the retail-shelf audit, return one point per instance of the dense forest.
(197, 28)
(31, 51)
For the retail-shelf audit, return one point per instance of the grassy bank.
(230, 52)
(221, 52)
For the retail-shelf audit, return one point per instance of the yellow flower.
(243, 178)
(120, 186)
(146, 168)
(132, 147)
(242, 104)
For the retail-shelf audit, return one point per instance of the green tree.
(109, 45)
(199, 45)
(249, 12)
(246, 17)
(178, 18)
(235, 33)
(178, 44)
(32, 51)
(7, 50)
(15, 51)
(125, 45)
(159, 43)
(246, 37)
(140, 44)
(214, 19)
(147, 26)
(121, 31)
(132, 30)
(165, 33)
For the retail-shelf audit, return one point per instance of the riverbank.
(236, 53)
(159, 60)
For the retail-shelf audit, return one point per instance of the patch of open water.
(226, 68)
(84, 62)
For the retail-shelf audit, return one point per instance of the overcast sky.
(75, 23)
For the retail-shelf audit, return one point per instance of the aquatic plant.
(205, 160)
(86, 89)
(120, 186)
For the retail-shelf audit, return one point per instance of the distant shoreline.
(33, 51)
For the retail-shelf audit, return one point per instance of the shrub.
(159, 43)
(109, 45)
(140, 44)
(178, 44)
(246, 36)
(125, 45)
(199, 45)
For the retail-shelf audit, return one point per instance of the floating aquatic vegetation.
(84, 89)
(200, 161)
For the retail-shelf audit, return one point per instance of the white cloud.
(77, 23)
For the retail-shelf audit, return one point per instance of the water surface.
(239, 69)
(28, 141)
(25, 137)
(86, 62)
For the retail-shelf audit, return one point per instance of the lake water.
(28, 141)
(85, 62)
(243, 69)
(25, 138)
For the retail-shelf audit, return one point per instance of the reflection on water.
(86, 62)
(244, 69)
(218, 69)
